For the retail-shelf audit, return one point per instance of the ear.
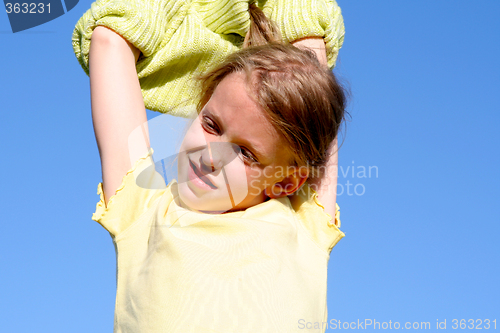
(288, 185)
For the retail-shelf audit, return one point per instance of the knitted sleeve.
(180, 39)
(134, 20)
(298, 19)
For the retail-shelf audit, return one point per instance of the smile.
(199, 179)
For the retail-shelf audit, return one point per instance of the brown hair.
(301, 98)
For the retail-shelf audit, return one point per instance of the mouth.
(199, 178)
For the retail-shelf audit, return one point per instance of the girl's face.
(231, 158)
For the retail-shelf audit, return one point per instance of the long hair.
(300, 97)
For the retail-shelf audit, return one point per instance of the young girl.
(240, 243)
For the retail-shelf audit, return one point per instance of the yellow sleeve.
(181, 39)
(178, 40)
(144, 23)
(324, 230)
(297, 19)
(140, 187)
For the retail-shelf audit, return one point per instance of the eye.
(248, 156)
(209, 125)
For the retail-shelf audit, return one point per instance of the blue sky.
(422, 232)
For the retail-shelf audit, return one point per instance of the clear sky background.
(422, 231)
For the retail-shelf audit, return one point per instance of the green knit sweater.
(180, 39)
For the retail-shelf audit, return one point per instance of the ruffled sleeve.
(324, 230)
(140, 187)
(309, 18)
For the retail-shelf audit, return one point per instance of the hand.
(316, 44)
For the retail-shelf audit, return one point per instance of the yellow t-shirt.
(258, 270)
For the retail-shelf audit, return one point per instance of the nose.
(218, 154)
(211, 157)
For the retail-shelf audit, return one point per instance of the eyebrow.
(245, 143)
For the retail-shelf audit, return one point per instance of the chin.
(216, 202)
(207, 202)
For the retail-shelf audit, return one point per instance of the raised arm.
(117, 105)
(327, 187)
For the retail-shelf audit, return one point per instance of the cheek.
(194, 136)
(254, 174)
(267, 175)
(258, 180)
(234, 176)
